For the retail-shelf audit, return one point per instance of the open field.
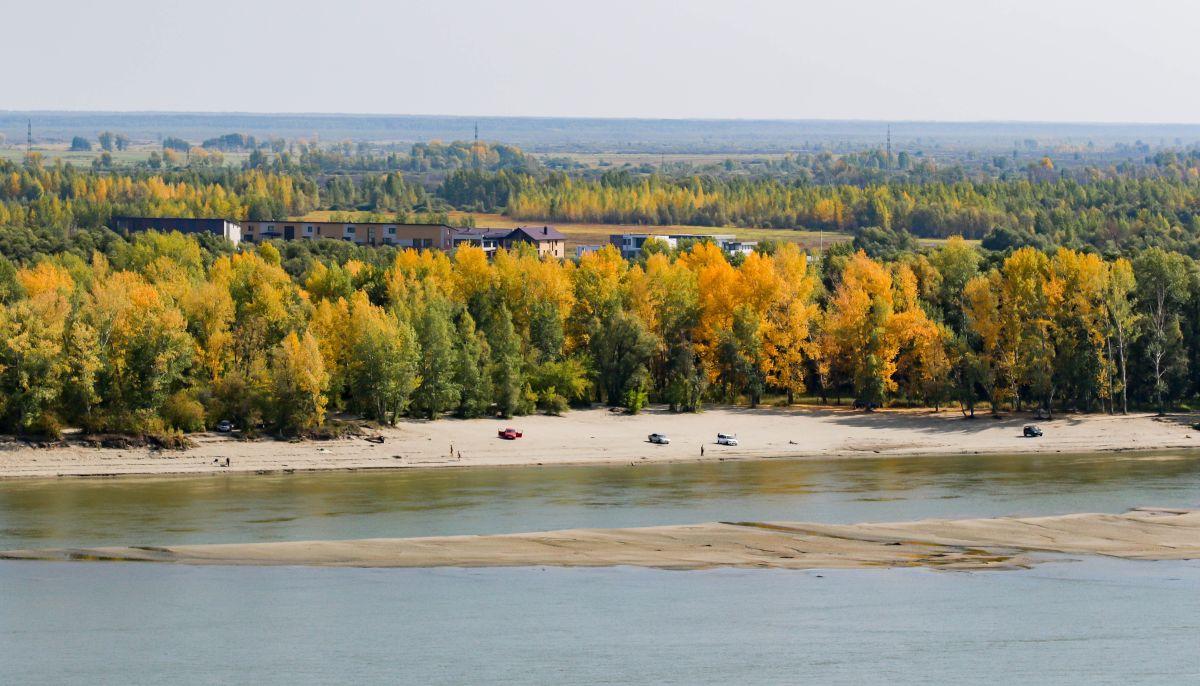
(131, 155)
(583, 233)
(79, 158)
(620, 159)
(599, 436)
(597, 234)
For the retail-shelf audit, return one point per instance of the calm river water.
(1096, 621)
(236, 508)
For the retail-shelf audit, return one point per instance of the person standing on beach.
(701, 451)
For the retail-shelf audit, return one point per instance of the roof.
(329, 223)
(476, 234)
(130, 218)
(530, 233)
(538, 233)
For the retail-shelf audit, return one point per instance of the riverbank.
(598, 436)
(970, 544)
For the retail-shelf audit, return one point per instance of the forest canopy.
(1081, 291)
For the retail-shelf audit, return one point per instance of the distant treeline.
(1116, 209)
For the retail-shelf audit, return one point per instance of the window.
(391, 230)
(350, 230)
(308, 230)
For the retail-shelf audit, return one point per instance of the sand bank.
(599, 436)
(974, 544)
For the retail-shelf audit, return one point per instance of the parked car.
(867, 405)
(224, 426)
(510, 434)
(660, 439)
(726, 439)
(1032, 431)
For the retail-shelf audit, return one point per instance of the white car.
(660, 439)
(726, 439)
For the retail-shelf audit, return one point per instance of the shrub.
(529, 401)
(636, 399)
(183, 412)
(554, 404)
(46, 426)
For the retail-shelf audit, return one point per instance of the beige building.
(547, 240)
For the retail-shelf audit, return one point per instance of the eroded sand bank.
(973, 544)
(598, 436)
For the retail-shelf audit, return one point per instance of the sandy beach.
(971, 544)
(599, 436)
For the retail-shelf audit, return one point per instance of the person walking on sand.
(460, 456)
(701, 451)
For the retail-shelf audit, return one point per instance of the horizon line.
(1058, 122)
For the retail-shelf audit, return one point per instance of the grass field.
(619, 159)
(135, 153)
(597, 234)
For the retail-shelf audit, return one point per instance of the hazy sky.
(1046, 60)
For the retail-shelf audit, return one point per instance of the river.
(1090, 621)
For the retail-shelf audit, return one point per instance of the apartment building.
(418, 236)
(546, 240)
(225, 228)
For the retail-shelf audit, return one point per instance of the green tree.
(437, 389)
(473, 371)
(740, 356)
(383, 353)
(508, 378)
(1162, 283)
(621, 348)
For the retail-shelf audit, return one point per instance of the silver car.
(660, 439)
(727, 439)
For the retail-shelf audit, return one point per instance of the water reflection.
(231, 508)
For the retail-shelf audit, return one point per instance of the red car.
(510, 434)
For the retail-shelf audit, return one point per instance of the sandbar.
(963, 545)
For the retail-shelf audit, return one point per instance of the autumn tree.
(382, 356)
(298, 384)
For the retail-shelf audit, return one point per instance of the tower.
(29, 136)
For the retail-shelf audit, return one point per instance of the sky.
(942, 60)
